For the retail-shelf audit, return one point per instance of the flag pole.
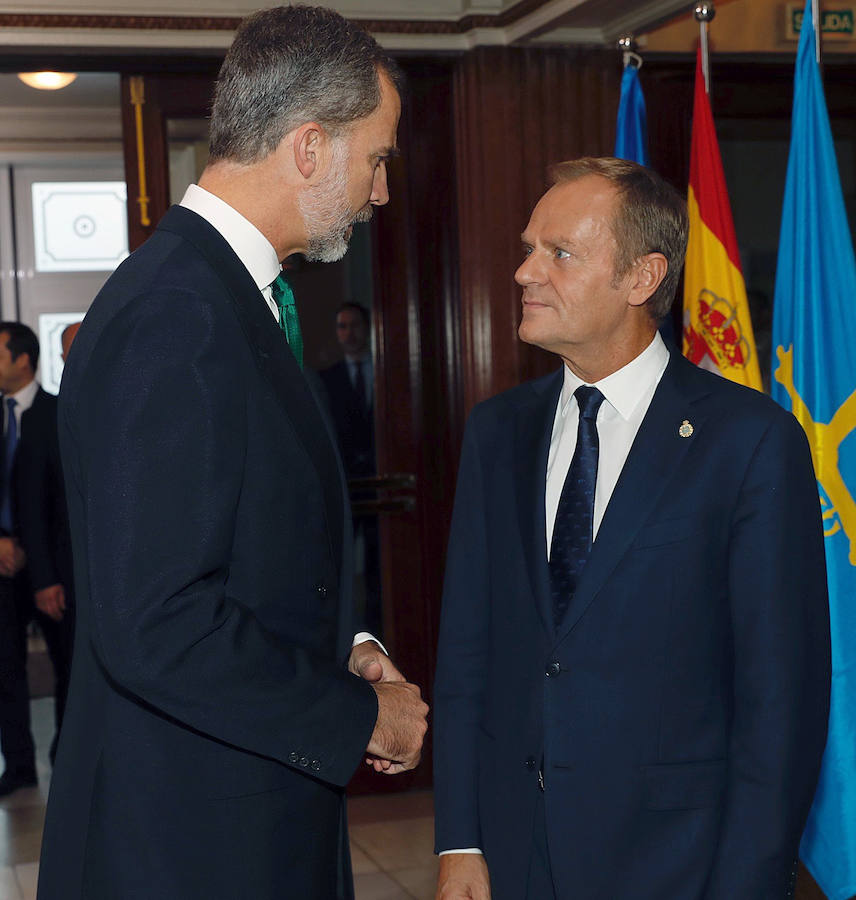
(815, 14)
(704, 13)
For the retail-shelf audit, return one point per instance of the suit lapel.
(275, 360)
(655, 456)
(533, 430)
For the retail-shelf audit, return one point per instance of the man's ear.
(307, 142)
(648, 274)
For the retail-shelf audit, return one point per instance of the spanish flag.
(717, 329)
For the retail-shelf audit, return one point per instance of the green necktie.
(288, 319)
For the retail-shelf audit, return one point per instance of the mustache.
(365, 214)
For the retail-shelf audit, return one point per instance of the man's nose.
(380, 188)
(528, 272)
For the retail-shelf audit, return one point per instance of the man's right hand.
(400, 727)
(51, 601)
(463, 876)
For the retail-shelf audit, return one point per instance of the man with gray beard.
(219, 700)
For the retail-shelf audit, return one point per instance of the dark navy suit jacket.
(40, 498)
(681, 708)
(211, 724)
(354, 422)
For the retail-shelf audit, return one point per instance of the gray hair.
(289, 65)
(650, 217)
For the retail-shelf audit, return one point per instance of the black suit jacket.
(40, 507)
(354, 422)
(680, 709)
(211, 724)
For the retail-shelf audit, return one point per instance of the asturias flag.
(814, 376)
(631, 128)
(717, 329)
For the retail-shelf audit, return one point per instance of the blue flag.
(631, 129)
(814, 336)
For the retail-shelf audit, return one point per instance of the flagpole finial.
(627, 44)
(705, 12)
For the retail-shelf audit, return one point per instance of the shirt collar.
(358, 360)
(253, 249)
(24, 398)
(626, 387)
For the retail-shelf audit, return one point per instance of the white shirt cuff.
(363, 636)
(473, 850)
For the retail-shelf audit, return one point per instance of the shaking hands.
(396, 743)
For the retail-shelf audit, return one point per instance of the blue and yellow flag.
(814, 336)
(631, 128)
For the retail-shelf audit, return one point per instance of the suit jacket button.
(553, 669)
(530, 763)
(322, 591)
(293, 757)
(316, 765)
(303, 761)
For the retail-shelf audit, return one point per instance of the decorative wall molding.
(33, 123)
(424, 25)
(122, 22)
(427, 25)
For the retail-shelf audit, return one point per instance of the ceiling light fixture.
(47, 81)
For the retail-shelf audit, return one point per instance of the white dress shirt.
(258, 255)
(251, 247)
(627, 396)
(628, 393)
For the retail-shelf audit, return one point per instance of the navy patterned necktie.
(574, 527)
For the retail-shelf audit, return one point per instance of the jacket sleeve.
(159, 424)
(462, 660)
(781, 669)
(33, 484)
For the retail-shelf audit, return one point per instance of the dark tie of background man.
(574, 526)
(10, 444)
(360, 384)
(289, 322)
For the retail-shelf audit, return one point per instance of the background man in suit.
(633, 674)
(19, 356)
(212, 723)
(43, 526)
(350, 391)
(350, 386)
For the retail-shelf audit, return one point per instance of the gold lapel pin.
(686, 429)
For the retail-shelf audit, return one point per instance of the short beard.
(327, 216)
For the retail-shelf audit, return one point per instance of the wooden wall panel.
(416, 300)
(165, 95)
(516, 112)
(145, 151)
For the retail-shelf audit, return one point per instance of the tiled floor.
(391, 837)
(22, 816)
(392, 840)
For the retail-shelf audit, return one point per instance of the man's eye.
(561, 254)
(527, 251)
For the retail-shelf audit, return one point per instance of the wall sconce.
(47, 81)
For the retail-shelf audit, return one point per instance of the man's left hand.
(51, 601)
(370, 662)
(12, 557)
